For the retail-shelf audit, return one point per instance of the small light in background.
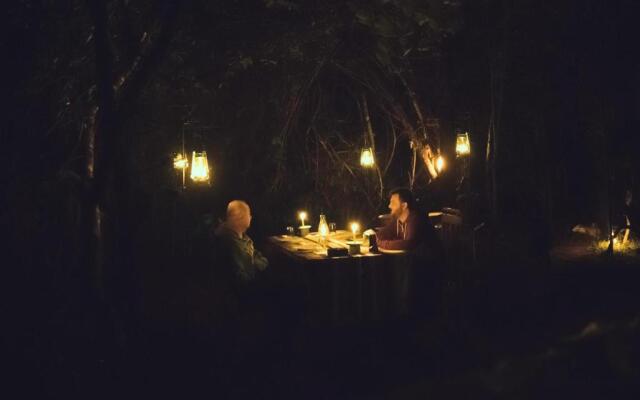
(463, 145)
(439, 163)
(180, 161)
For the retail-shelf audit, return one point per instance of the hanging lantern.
(199, 167)
(463, 146)
(180, 162)
(439, 163)
(366, 157)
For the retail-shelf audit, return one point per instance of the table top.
(311, 247)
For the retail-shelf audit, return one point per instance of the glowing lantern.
(366, 158)
(355, 227)
(199, 167)
(180, 161)
(463, 146)
(439, 163)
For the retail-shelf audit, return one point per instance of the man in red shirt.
(407, 229)
(410, 230)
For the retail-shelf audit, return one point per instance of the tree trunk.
(107, 211)
(99, 146)
(497, 69)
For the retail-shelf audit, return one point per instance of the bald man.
(246, 260)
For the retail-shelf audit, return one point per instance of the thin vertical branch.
(412, 175)
(416, 108)
(369, 127)
(393, 147)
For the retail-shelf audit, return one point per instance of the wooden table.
(342, 290)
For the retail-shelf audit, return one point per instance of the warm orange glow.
(463, 146)
(180, 161)
(355, 228)
(302, 215)
(366, 158)
(439, 163)
(629, 247)
(323, 227)
(200, 167)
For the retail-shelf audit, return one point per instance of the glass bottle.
(323, 227)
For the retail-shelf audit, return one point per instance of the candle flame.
(302, 215)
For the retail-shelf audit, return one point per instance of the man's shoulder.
(416, 216)
(419, 219)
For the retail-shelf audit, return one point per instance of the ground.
(525, 330)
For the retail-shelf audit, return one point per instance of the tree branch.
(137, 75)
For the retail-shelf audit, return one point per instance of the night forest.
(106, 287)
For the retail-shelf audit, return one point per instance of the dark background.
(274, 91)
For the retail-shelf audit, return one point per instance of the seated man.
(410, 230)
(407, 229)
(246, 261)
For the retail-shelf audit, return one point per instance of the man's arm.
(241, 260)
(394, 244)
(387, 232)
(387, 237)
(260, 261)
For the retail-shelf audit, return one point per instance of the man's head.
(400, 202)
(238, 216)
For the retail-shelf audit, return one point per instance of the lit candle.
(302, 215)
(354, 228)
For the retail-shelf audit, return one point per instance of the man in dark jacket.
(246, 261)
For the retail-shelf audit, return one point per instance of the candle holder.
(304, 230)
(354, 247)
